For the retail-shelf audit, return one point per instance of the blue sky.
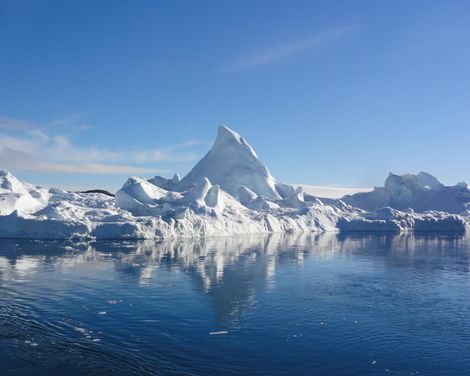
(326, 92)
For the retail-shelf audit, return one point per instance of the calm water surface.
(277, 305)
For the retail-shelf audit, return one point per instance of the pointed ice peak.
(232, 163)
(224, 133)
(214, 197)
(10, 183)
(245, 195)
(6, 175)
(176, 178)
(198, 192)
(142, 190)
(227, 136)
(164, 183)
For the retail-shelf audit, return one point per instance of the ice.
(231, 163)
(246, 195)
(229, 192)
(331, 192)
(14, 195)
(419, 192)
(167, 184)
(388, 219)
(218, 333)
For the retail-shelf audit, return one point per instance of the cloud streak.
(7, 123)
(281, 52)
(32, 150)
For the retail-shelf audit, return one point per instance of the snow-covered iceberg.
(388, 219)
(15, 195)
(232, 163)
(230, 191)
(419, 193)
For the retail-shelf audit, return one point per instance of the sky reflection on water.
(278, 304)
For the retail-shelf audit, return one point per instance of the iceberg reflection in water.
(278, 304)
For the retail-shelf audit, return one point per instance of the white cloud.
(287, 50)
(33, 150)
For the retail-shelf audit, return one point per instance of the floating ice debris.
(373, 362)
(102, 312)
(218, 333)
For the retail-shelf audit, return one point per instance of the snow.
(388, 219)
(229, 192)
(419, 192)
(14, 195)
(231, 163)
(331, 191)
(168, 184)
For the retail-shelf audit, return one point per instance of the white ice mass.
(232, 163)
(420, 193)
(230, 191)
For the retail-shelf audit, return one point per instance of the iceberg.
(232, 163)
(229, 192)
(388, 219)
(16, 196)
(421, 192)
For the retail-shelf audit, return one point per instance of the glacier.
(230, 191)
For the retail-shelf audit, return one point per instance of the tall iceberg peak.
(232, 163)
(227, 137)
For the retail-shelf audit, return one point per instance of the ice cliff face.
(230, 191)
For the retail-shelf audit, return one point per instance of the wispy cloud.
(280, 52)
(36, 150)
(72, 122)
(14, 124)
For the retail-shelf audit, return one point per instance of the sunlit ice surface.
(268, 305)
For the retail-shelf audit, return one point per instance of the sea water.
(271, 305)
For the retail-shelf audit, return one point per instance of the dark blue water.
(282, 305)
